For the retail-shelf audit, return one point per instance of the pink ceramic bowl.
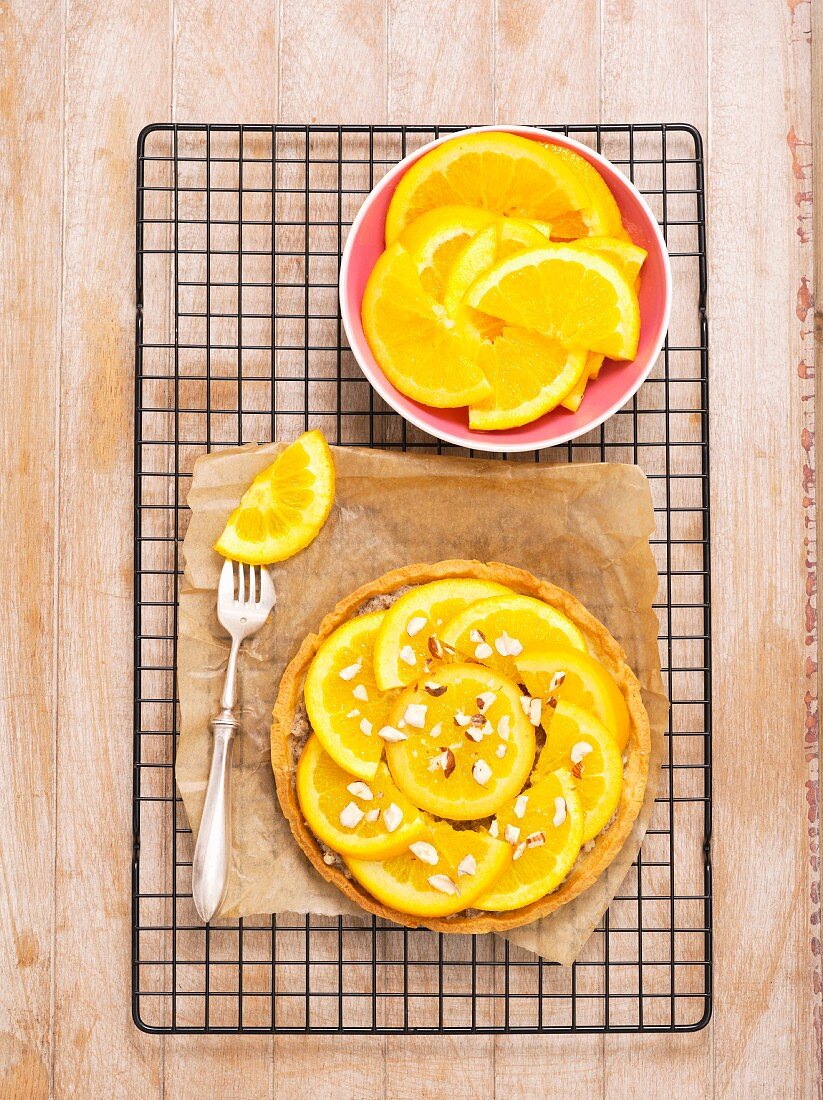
(616, 383)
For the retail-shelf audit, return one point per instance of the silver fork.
(243, 605)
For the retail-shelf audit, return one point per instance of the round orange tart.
(495, 774)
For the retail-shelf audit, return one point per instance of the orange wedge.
(576, 297)
(426, 354)
(496, 171)
(574, 397)
(600, 216)
(626, 256)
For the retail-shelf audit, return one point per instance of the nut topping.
(519, 850)
(365, 726)
(535, 712)
(392, 817)
(351, 816)
(534, 840)
(461, 719)
(494, 828)
(525, 703)
(443, 883)
(503, 727)
(467, 865)
(511, 834)
(476, 636)
(500, 751)
(408, 655)
(359, 692)
(373, 815)
(579, 750)
(425, 852)
(415, 625)
(559, 812)
(435, 689)
(557, 680)
(508, 647)
(360, 790)
(390, 734)
(449, 763)
(435, 647)
(416, 715)
(485, 700)
(350, 671)
(482, 772)
(435, 730)
(520, 804)
(483, 651)
(353, 713)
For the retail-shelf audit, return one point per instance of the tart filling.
(487, 785)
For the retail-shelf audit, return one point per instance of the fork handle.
(210, 870)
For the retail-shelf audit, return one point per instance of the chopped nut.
(329, 858)
(365, 726)
(449, 763)
(579, 750)
(353, 713)
(435, 730)
(557, 680)
(360, 790)
(494, 828)
(443, 883)
(435, 689)
(525, 703)
(485, 700)
(535, 712)
(511, 834)
(373, 815)
(359, 692)
(476, 636)
(552, 702)
(351, 816)
(534, 840)
(467, 865)
(483, 651)
(577, 770)
(408, 655)
(416, 715)
(482, 772)
(392, 816)
(503, 727)
(508, 647)
(478, 721)
(435, 647)
(415, 625)
(461, 719)
(425, 852)
(350, 671)
(519, 850)
(520, 804)
(559, 812)
(474, 734)
(500, 751)
(389, 733)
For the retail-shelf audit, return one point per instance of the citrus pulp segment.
(573, 676)
(369, 820)
(576, 297)
(343, 703)
(284, 507)
(574, 397)
(601, 214)
(401, 648)
(468, 746)
(426, 354)
(544, 827)
(495, 631)
(579, 742)
(457, 865)
(626, 256)
(496, 171)
(438, 238)
(529, 374)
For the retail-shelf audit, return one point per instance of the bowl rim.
(477, 440)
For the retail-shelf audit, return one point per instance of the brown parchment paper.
(583, 527)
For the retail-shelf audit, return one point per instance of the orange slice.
(544, 826)
(369, 820)
(529, 375)
(626, 256)
(343, 703)
(437, 239)
(496, 631)
(467, 745)
(579, 742)
(496, 171)
(284, 507)
(576, 297)
(440, 874)
(426, 354)
(401, 648)
(600, 216)
(574, 397)
(573, 676)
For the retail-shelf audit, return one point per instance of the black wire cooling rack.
(239, 236)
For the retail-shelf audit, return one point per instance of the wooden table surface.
(79, 80)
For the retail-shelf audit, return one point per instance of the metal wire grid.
(239, 236)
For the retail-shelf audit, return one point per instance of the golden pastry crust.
(591, 864)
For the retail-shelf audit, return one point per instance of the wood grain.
(30, 243)
(79, 82)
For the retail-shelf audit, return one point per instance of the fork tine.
(241, 583)
(266, 586)
(225, 589)
(252, 586)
